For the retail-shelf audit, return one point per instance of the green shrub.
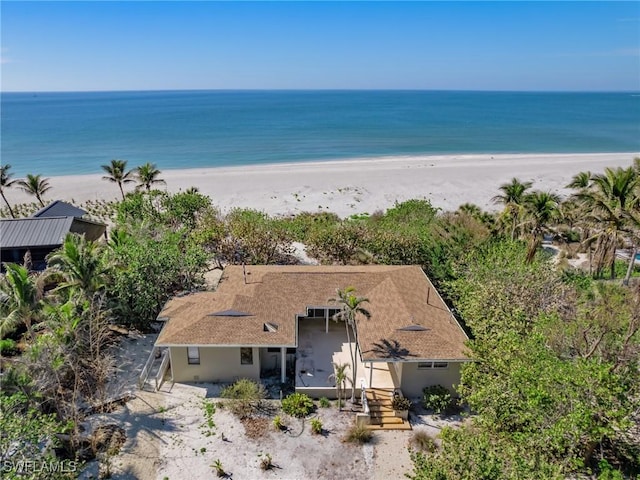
(297, 405)
(324, 402)
(358, 434)
(219, 468)
(244, 389)
(316, 426)
(278, 424)
(7, 346)
(245, 396)
(436, 398)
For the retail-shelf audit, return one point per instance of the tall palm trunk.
(632, 262)
(346, 325)
(355, 363)
(8, 206)
(121, 189)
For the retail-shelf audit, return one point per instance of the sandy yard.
(168, 437)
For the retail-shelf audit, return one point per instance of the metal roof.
(34, 232)
(59, 209)
(45, 231)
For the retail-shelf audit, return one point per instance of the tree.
(81, 265)
(351, 309)
(339, 375)
(117, 173)
(554, 383)
(580, 180)
(20, 299)
(24, 432)
(6, 182)
(512, 197)
(148, 175)
(541, 208)
(35, 185)
(609, 198)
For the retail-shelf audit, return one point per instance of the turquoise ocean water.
(74, 133)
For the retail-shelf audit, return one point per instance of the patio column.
(370, 374)
(283, 364)
(326, 320)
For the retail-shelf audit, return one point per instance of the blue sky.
(73, 46)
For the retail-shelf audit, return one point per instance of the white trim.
(418, 360)
(190, 358)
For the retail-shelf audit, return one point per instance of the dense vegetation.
(554, 385)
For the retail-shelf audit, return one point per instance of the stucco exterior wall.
(414, 380)
(217, 364)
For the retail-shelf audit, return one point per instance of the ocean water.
(75, 133)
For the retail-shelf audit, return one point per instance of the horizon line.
(221, 90)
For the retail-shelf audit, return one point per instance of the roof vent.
(413, 328)
(270, 327)
(230, 313)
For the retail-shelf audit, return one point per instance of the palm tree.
(117, 173)
(80, 263)
(609, 198)
(513, 195)
(351, 309)
(6, 182)
(148, 175)
(541, 208)
(339, 375)
(20, 299)
(35, 185)
(580, 180)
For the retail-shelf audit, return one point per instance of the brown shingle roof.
(399, 297)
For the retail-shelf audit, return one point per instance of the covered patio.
(320, 345)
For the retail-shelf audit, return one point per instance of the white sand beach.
(355, 186)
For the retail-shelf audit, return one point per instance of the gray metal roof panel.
(59, 209)
(34, 232)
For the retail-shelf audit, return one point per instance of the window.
(430, 365)
(290, 350)
(193, 355)
(246, 355)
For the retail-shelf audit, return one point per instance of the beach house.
(43, 232)
(266, 321)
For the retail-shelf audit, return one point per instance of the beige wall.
(330, 392)
(217, 364)
(414, 380)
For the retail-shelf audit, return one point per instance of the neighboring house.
(266, 320)
(43, 232)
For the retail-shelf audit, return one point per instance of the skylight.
(413, 328)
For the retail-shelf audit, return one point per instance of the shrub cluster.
(297, 405)
(436, 398)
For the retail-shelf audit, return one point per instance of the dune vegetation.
(551, 308)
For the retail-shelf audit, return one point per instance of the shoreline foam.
(355, 185)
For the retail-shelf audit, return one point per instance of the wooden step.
(386, 419)
(379, 413)
(386, 426)
(380, 408)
